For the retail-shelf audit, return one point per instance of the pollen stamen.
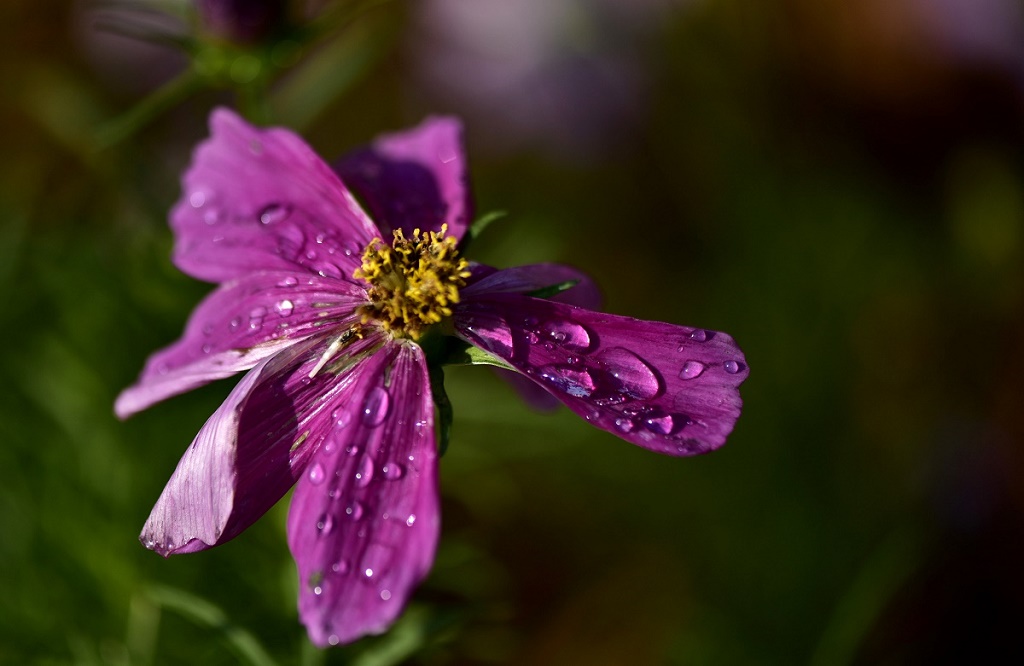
(414, 282)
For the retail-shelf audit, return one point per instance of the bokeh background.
(837, 184)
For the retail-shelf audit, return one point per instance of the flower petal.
(534, 277)
(416, 179)
(236, 326)
(253, 448)
(671, 389)
(364, 520)
(260, 199)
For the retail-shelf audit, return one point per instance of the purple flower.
(241, 21)
(335, 326)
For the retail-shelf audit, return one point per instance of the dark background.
(839, 185)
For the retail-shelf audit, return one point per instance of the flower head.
(325, 315)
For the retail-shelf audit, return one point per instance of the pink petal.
(364, 519)
(534, 277)
(260, 200)
(671, 389)
(253, 448)
(236, 326)
(416, 179)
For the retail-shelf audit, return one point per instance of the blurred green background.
(839, 185)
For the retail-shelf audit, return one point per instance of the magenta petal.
(260, 199)
(252, 449)
(533, 277)
(416, 179)
(236, 326)
(671, 389)
(364, 520)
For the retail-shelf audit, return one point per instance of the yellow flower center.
(414, 282)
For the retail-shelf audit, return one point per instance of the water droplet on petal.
(365, 472)
(212, 216)
(632, 374)
(340, 567)
(375, 409)
(392, 471)
(354, 510)
(235, 323)
(284, 308)
(497, 340)
(661, 425)
(197, 199)
(411, 519)
(691, 370)
(325, 523)
(566, 333)
(732, 367)
(317, 474)
(368, 572)
(385, 595)
(207, 349)
(318, 590)
(274, 213)
(624, 424)
(352, 450)
(288, 282)
(699, 335)
(574, 381)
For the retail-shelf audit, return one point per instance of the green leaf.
(445, 413)
(470, 355)
(205, 614)
(481, 223)
(548, 292)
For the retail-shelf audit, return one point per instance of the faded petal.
(236, 326)
(533, 277)
(364, 520)
(416, 179)
(671, 389)
(253, 448)
(261, 199)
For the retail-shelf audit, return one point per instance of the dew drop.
(197, 199)
(317, 474)
(354, 510)
(631, 373)
(274, 213)
(385, 595)
(411, 520)
(392, 471)
(235, 323)
(574, 381)
(340, 567)
(207, 349)
(212, 216)
(352, 450)
(691, 370)
(566, 333)
(288, 282)
(732, 367)
(365, 473)
(324, 524)
(699, 335)
(284, 308)
(624, 424)
(375, 409)
(368, 572)
(333, 639)
(661, 425)
(496, 339)
(318, 590)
